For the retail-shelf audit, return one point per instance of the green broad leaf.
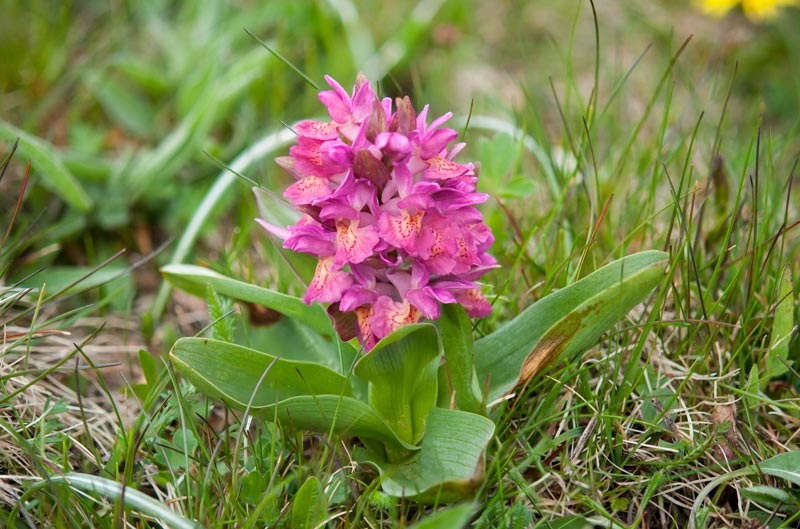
(777, 357)
(456, 517)
(449, 465)
(498, 155)
(149, 367)
(402, 373)
(771, 497)
(298, 342)
(195, 280)
(47, 161)
(459, 367)
(274, 210)
(245, 376)
(234, 374)
(310, 506)
(786, 466)
(565, 322)
(343, 416)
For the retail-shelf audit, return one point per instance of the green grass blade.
(785, 465)
(122, 104)
(132, 498)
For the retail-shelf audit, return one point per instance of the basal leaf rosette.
(389, 214)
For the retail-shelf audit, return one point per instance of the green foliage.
(46, 161)
(567, 322)
(592, 146)
(249, 378)
(458, 371)
(310, 507)
(777, 357)
(220, 310)
(455, 517)
(401, 372)
(195, 279)
(132, 498)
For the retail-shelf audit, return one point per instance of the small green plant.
(390, 217)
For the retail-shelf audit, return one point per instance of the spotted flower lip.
(389, 214)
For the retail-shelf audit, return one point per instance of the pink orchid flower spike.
(389, 213)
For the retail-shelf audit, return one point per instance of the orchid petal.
(474, 302)
(388, 315)
(328, 283)
(440, 168)
(401, 230)
(353, 243)
(318, 130)
(307, 190)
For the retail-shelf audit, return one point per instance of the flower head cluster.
(389, 214)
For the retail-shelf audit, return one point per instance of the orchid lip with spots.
(389, 213)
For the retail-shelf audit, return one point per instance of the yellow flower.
(754, 9)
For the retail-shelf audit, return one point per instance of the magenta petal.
(403, 181)
(318, 130)
(474, 302)
(363, 103)
(353, 243)
(308, 189)
(336, 153)
(307, 159)
(281, 233)
(418, 201)
(466, 256)
(440, 120)
(388, 315)
(364, 327)
(427, 304)
(440, 168)
(389, 214)
(328, 283)
(337, 101)
(401, 280)
(437, 243)
(310, 238)
(401, 230)
(356, 296)
(395, 146)
(436, 142)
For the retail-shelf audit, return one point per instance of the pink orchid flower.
(389, 213)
